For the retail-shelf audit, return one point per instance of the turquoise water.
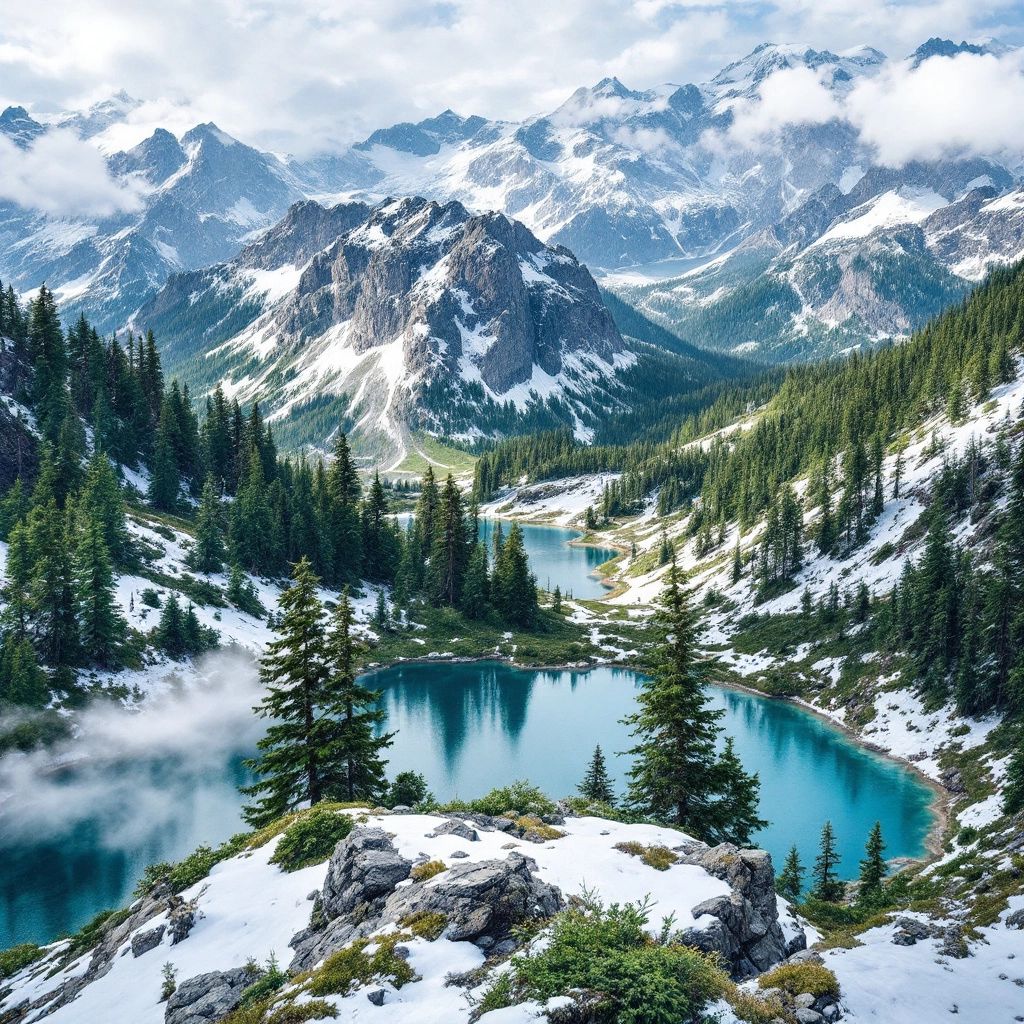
(555, 561)
(468, 727)
(75, 842)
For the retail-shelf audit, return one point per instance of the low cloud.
(970, 104)
(948, 106)
(134, 772)
(62, 176)
(794, 96)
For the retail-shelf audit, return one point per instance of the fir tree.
(676, 774)
(101, 625)
(1013, 789)
(345, 491)
(17, 588)
(380, 543)
(790, 882)
(169, 635)
(735, 818)
(101, 499)
(827, 885)
(450, 552)
(556, 600)
(353, 768)
(207, 554)
(476, 590)
(514, 587)
(53, 600)
(596, 784)
(22, 681)
(294, 669)
(872, 867)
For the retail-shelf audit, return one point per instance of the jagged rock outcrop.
(208, 997)
(482, 901)
(745, 928)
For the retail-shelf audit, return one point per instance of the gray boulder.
(208, 997)
(744, 929)
(363, 867)
(454, 827)
(145, 941)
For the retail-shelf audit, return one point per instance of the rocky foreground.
(427, 909)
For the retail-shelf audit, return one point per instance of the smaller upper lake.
(554, 559)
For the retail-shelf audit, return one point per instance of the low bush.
(310, 839)
(798, 978)
(661, 858)
(609, 951)
(421, 872)
(749, 1008)
(354, 965)
(427, 924)
(520, 796)
(17, 958)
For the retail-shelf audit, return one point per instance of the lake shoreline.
(938, 808)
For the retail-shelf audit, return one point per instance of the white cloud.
(301, 75)
(62, 176)
(968, 104)
(789, 97)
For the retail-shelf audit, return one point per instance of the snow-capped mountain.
(804, 240)
(199, 198)
(410, 315)
(849, 268)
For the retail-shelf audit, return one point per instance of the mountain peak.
(939, 47)
(208, 132)
(19, 126)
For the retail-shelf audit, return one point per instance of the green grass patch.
(431, 452)
(363, 961)
(429, 868)
(426, 924)
(661, 858)
(798, 978)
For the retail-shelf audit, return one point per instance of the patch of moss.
(429, 868)
(426, 924)
(531, 823)
(661, 858)
(798, 978)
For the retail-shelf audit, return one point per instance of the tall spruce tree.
(677, 775)
(450, 551)
(735, 818)
(827, 885)
(294, 668)
(596, 784)
(352, 767)
(208, 553)
(790, 882)
(872, 868)
(514, 587)
(101, 625)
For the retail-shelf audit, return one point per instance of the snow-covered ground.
(250, 909)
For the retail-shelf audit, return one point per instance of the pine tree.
(827, 885)
(17, 588)
(22, 681)
(164, 481)
(207, 554)
(514, 587)
(872, 867)
(676, 774)
(596, 784)
(1013, 789)
(53, 601)
(352, 765)
(450, 551)
(790, 882)
(734, 817)
(294, 669)
(101, 625)
(101, 499)
(476, 589)
(380, 542)
(556, 600)
(169, 635)
(345, 492)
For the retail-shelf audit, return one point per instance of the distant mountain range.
(800, 249)
(409, 316)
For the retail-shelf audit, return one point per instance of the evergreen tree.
(53, 599)
(380, 542)
(790, 882)
(102, 500)
(353, 768)
(514, 587)
(872, 867)
(207, 554)
(827, 885)
(169, 635)
(596, 784)
(17, 589)
(676, 774)
(345, 492)
(476, 586)
(294, 669)
(101, 625)
(1013, 790)
(165, 480)
(556, 600)
(22, 681)
(450, 550)
(735, 818)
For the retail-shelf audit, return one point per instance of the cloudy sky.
(302, 75)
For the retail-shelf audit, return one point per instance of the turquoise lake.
(467, 727)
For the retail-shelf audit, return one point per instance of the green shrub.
(521, 796)
(498, 995)
(267, 983)
(354, 966)
(311, 839)
(661, 858)
(18, 957)
(298, 1013)
(90, 934)
(409, 789)
(150, 598)
(427, 924)
(531, 823)
(608, 951)
(421, 872)
(797, 978)
(753, 1010)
